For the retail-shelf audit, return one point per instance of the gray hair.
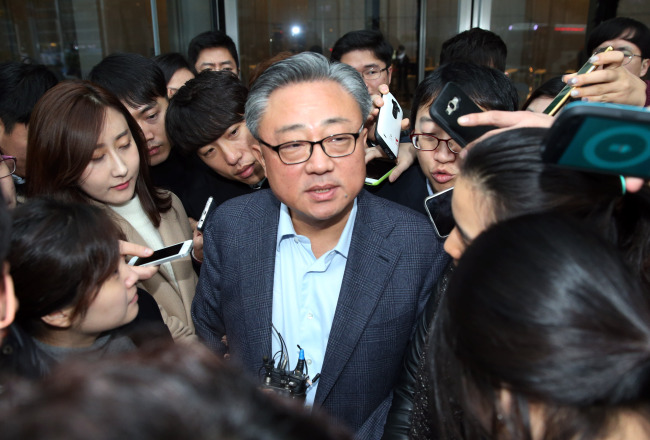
(304, 67)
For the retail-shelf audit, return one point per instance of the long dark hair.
(60, 255)
(508, 169)
(543, 308)
(63, 133)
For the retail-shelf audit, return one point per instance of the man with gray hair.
(334, 270)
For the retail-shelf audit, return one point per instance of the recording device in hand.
(451, 104)
(562, 97)
(204, 214)
(602, 138)
(164, 255)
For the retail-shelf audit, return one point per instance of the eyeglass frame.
(276, 148)
(446, 141)
(5, 158)
(363, 74)
(626, 53)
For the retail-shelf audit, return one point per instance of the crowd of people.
(531, 320)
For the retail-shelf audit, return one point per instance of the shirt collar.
(286, 229)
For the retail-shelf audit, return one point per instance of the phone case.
(603, 138)
(389, 124)
(451, 104)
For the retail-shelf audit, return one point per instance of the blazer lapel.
(257, 260)
(369, 267)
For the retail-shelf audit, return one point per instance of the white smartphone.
(164, 255)
(204, 214)
(389, 124)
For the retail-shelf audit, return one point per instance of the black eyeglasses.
(373, 73)
(10, 161)
(429, 142)
(629, 56)
(295, 152)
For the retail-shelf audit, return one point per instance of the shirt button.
(308, 361)
(296, 239)
(310, 316)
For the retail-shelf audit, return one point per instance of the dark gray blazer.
(392, 267)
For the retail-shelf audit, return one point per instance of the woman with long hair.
(84, 146)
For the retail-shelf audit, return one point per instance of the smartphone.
(438, 206)
(451, 104)
(600, 137)
(564, 94)
(378, 170)
(164, 255)
(204, 214)
(389, 123)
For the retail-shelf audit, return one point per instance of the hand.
(611, 82)
(128, 248)
(504, 120)
(197, 239)
(405, 158)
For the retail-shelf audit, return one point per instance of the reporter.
(87, 148)
(535, 341)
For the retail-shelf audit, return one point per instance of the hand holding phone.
(564, 94)
(164, 255)
(204, 214)
(451, 104)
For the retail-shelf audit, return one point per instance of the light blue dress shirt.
(305, 294)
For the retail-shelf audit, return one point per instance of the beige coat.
(174, 302)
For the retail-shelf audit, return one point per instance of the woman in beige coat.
(83, 145)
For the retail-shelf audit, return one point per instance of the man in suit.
(334, 269)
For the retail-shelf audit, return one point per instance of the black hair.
(477, 46)
(370, 40)
(508, 169)
(543, 308)
(625, 28)
(170, 63)
(182, 391)
(5, 231)
(207, 40)
(21, 86)
(135, 80)
(194, 121)
(489, 88)
(549, 89)
(60, 255)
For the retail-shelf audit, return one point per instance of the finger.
(405, 125)
(609, 60)
(374, 153)
(405, 158)
(383, 89)
(144, 273)
(633, 184)
(128, 248)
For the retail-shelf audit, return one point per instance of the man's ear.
(8, 303)
(257, 153)
(645, 63)
(60, 318)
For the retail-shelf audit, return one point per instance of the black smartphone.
(204, 214)
(451, 104)
(600, 137)
(438, 206)
(389, 124)
(562, 97)
(378, 170)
